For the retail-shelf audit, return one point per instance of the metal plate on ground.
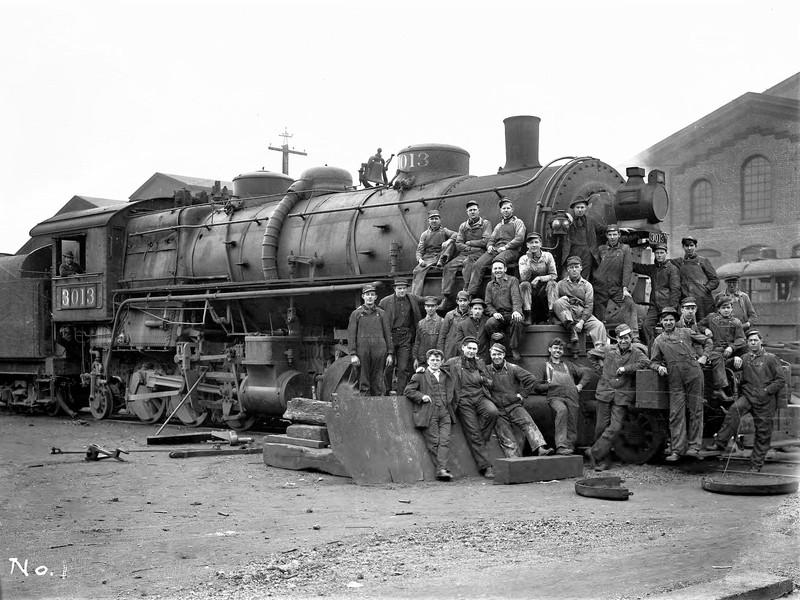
(749, 485)
(606, 488)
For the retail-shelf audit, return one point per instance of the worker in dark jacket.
(581, 240)
(762, 380)
(504, 306)
(475, 326)
(698, 277)
(562, 382)
(510, 383)
(673, 356)
(611, 280)
(727, 339)
(433, 393)
(448, 334)
(403, 314)
(428, 330)
(369, 343)
(615, 393)
(471, 241)
(433, 242)
(742, 306)
(476, 412)
(69, 266)
(665, 288)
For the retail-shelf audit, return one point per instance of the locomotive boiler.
(222, 307)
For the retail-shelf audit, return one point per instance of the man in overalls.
(369, 343)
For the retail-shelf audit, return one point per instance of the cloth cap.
(368, 288)
(69, 254)
(504, 200)
(724, 299)
(669, 310)
(689, 239)
(433, 213)
(462, 295)
(660, 247)
(733, 277)
(400, 281)
(431, 300)
(573, 260)
(754, 332)
(469, 339)
(578, 200)
(533, 236)
(434, 351)
(599, 352)
(471, 203)
(622, 330)
(689, 301)
(475, 301)
(498, 347)
(612, 227)
(499, 259)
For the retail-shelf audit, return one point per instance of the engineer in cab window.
(69, 266)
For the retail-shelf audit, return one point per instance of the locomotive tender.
(224, 306)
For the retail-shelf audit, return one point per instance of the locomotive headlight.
(560, 223)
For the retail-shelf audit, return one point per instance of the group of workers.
(462, 374)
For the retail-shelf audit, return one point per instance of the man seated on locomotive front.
(742, 306)
(69, 266)
(727, 336)
(538, 281)
(432, 244)
(575, 304)
(504, 305)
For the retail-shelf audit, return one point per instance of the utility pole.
(285, 150)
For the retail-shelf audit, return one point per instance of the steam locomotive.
(220, 307)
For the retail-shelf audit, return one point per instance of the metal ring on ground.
(749, 485)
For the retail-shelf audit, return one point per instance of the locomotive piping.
(269, 245)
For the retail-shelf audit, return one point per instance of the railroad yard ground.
(231, 527)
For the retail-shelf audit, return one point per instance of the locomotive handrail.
(423, 200)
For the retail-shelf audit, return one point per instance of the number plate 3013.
(77, 296)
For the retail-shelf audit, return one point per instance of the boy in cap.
(616, 391)
(69, 266)
(698, 277)
(575, 304)
(538, 281)
(689, 320)
(449, 340)
(475, 326)
(562, 382)
(727, 337)
(504, 243)
(369, 343)
(428, 330)
(433, 242)
(402, 314)
(611, 280)
(742, 307)
(581, 239)
(471, 241)
(433, 393)
(673, 356)
(762, 380)
(504, 305)
(476, 412)
(510, 384)
(665, 288)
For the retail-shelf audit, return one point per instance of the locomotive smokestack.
(522, 142)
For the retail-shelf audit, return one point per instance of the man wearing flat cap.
(449, 340)
(511, 383)
(742, 306)
(538, 281)
(504, 306)
(673, 356)
(728, 340)
(69, 266)
(432, 244)
(611, 281)
(698, 277)
(471, 241)
(402, 314)
(689, 320)
(616, 391)
(475, 327)
(428, 330)
(581, 239)
(665, 288)
(575, 304)
(369, 343)
(505, 243)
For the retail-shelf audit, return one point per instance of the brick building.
(733, 180)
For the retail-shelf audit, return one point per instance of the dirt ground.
(230, 527)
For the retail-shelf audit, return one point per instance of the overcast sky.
(97, 96)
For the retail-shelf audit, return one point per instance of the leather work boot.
(721, 395)
(489, 473)
(526, 317)
(444, 475)
(573, 336)
(515, 356)
(565, 452)
(544, 451)
(591, 458)
(673, 457)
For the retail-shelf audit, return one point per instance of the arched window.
(796, 251)
(756, 190)
(700, 204)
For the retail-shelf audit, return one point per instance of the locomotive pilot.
(575, 303)
(471, 241)
(581, 240)
(369, 343)
(504, 243)
(698, 277)
(428, 330)
(449, 340)
(742, 306)
(538, 281)
(432, 244)
(504, 306)
(69, 266)
(402, 314)
(762, 379)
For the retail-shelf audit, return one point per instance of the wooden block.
(537, 468)
(298, 458)
(306, 410)
(285, 439)
(309, 432)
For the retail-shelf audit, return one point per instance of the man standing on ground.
(504, 305)
(369, 343)
(476, 412)
(616, 392)
(449, 340)
(742, 307)
(562, 382)
(665, 288)
(762, 379)
(698, 277)
(428, 330)
(433, 242)
(402, 314)
(510, 382)
(538, 281)
(581, 240)
(471, 241)
(575, 304)
(673, 356)
(611, 281)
